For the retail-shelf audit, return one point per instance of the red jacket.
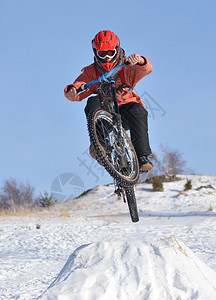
(132, 75)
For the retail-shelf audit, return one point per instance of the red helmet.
(106, 41)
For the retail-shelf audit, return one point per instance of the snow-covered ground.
(89, 248)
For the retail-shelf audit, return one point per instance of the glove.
(136, 59)
(70, 91)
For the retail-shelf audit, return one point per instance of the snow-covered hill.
(133, 270)
(90, 249)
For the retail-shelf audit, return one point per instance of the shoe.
(145, 164)
(92, 152)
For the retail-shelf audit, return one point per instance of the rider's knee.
(93, 103)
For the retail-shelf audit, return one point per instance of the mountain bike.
(113, 147)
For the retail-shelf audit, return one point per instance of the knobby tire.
(132, 205)
(95, 139)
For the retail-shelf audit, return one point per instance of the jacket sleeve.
(86, 76)
(133, 74)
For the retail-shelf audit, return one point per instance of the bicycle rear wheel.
(118, 158)
(132, 205)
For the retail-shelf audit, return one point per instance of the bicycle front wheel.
(118, 157)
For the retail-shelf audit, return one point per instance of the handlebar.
(102, 78)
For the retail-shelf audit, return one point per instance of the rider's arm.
(87, 75)
(133, 74)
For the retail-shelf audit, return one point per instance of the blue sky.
(45, 44)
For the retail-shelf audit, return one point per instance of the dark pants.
(134, 118)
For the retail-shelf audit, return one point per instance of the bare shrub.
(15, 195)
(169, 162)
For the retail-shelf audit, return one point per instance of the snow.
(133, 270)
(89, 249)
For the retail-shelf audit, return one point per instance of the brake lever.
(81, 89)
(126, 63)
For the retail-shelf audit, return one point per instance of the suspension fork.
(102, 127)
(117, 116)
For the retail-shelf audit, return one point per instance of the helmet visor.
(106, 54)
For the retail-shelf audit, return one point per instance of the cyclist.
(107, 55)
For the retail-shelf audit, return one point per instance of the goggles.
(106, 54)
